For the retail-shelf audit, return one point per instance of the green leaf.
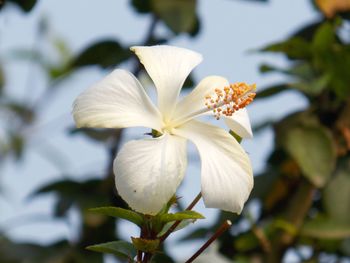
(142, 6)
(120, 213)
(313, 150)
(122, 249)
(324, 37)
(337, 194)
(313, 87)
(106, 53)
(85, 194)
(178, 15)
(187, 214)
(294, 48)
(325, 228)
(265, 68)
(301, 70)
(145, 245)
(25, 5)
(100, 135)
(271, 91)
(308, 31)
(245, 242)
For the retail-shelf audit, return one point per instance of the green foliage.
(274, 90)
(121, 249)
(178, 15)
(106, 54)
(100, 135)
(25, 5)
(321, 56)
(120, 213)
(294, 48)
(313, 150)
(142, 6)
(325, 228)
(337, 194)
(69, 192)
(166, 218)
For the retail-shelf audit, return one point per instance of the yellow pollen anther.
(229, 99)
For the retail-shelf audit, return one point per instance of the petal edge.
(168, 67)
(148, 172)
(226, 173)
(117, 101)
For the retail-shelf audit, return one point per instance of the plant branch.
(226, 225)
(174, 226)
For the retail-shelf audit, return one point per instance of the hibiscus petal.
(148, 172)
(117, 101)
(239, 123)
(168, 67)
(227, 177)
(195, 101)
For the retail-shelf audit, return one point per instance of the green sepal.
(236, 136)
(188, 214)
(156, 133)
(120, 213)
(145, 245)
(122, 249)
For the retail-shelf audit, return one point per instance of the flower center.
(230, 99)
(168, 128)
(223, 101)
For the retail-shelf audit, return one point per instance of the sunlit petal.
(195, 101)
(148, 172)
(117, 101)
(168, 67)
(239, 123)
(226, 178)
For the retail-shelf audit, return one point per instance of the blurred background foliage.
(303, 195)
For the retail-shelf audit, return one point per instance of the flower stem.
(174, 226)
(226, 225)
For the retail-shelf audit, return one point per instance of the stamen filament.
(224, 102)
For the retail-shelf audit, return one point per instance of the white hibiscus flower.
(148, 171)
